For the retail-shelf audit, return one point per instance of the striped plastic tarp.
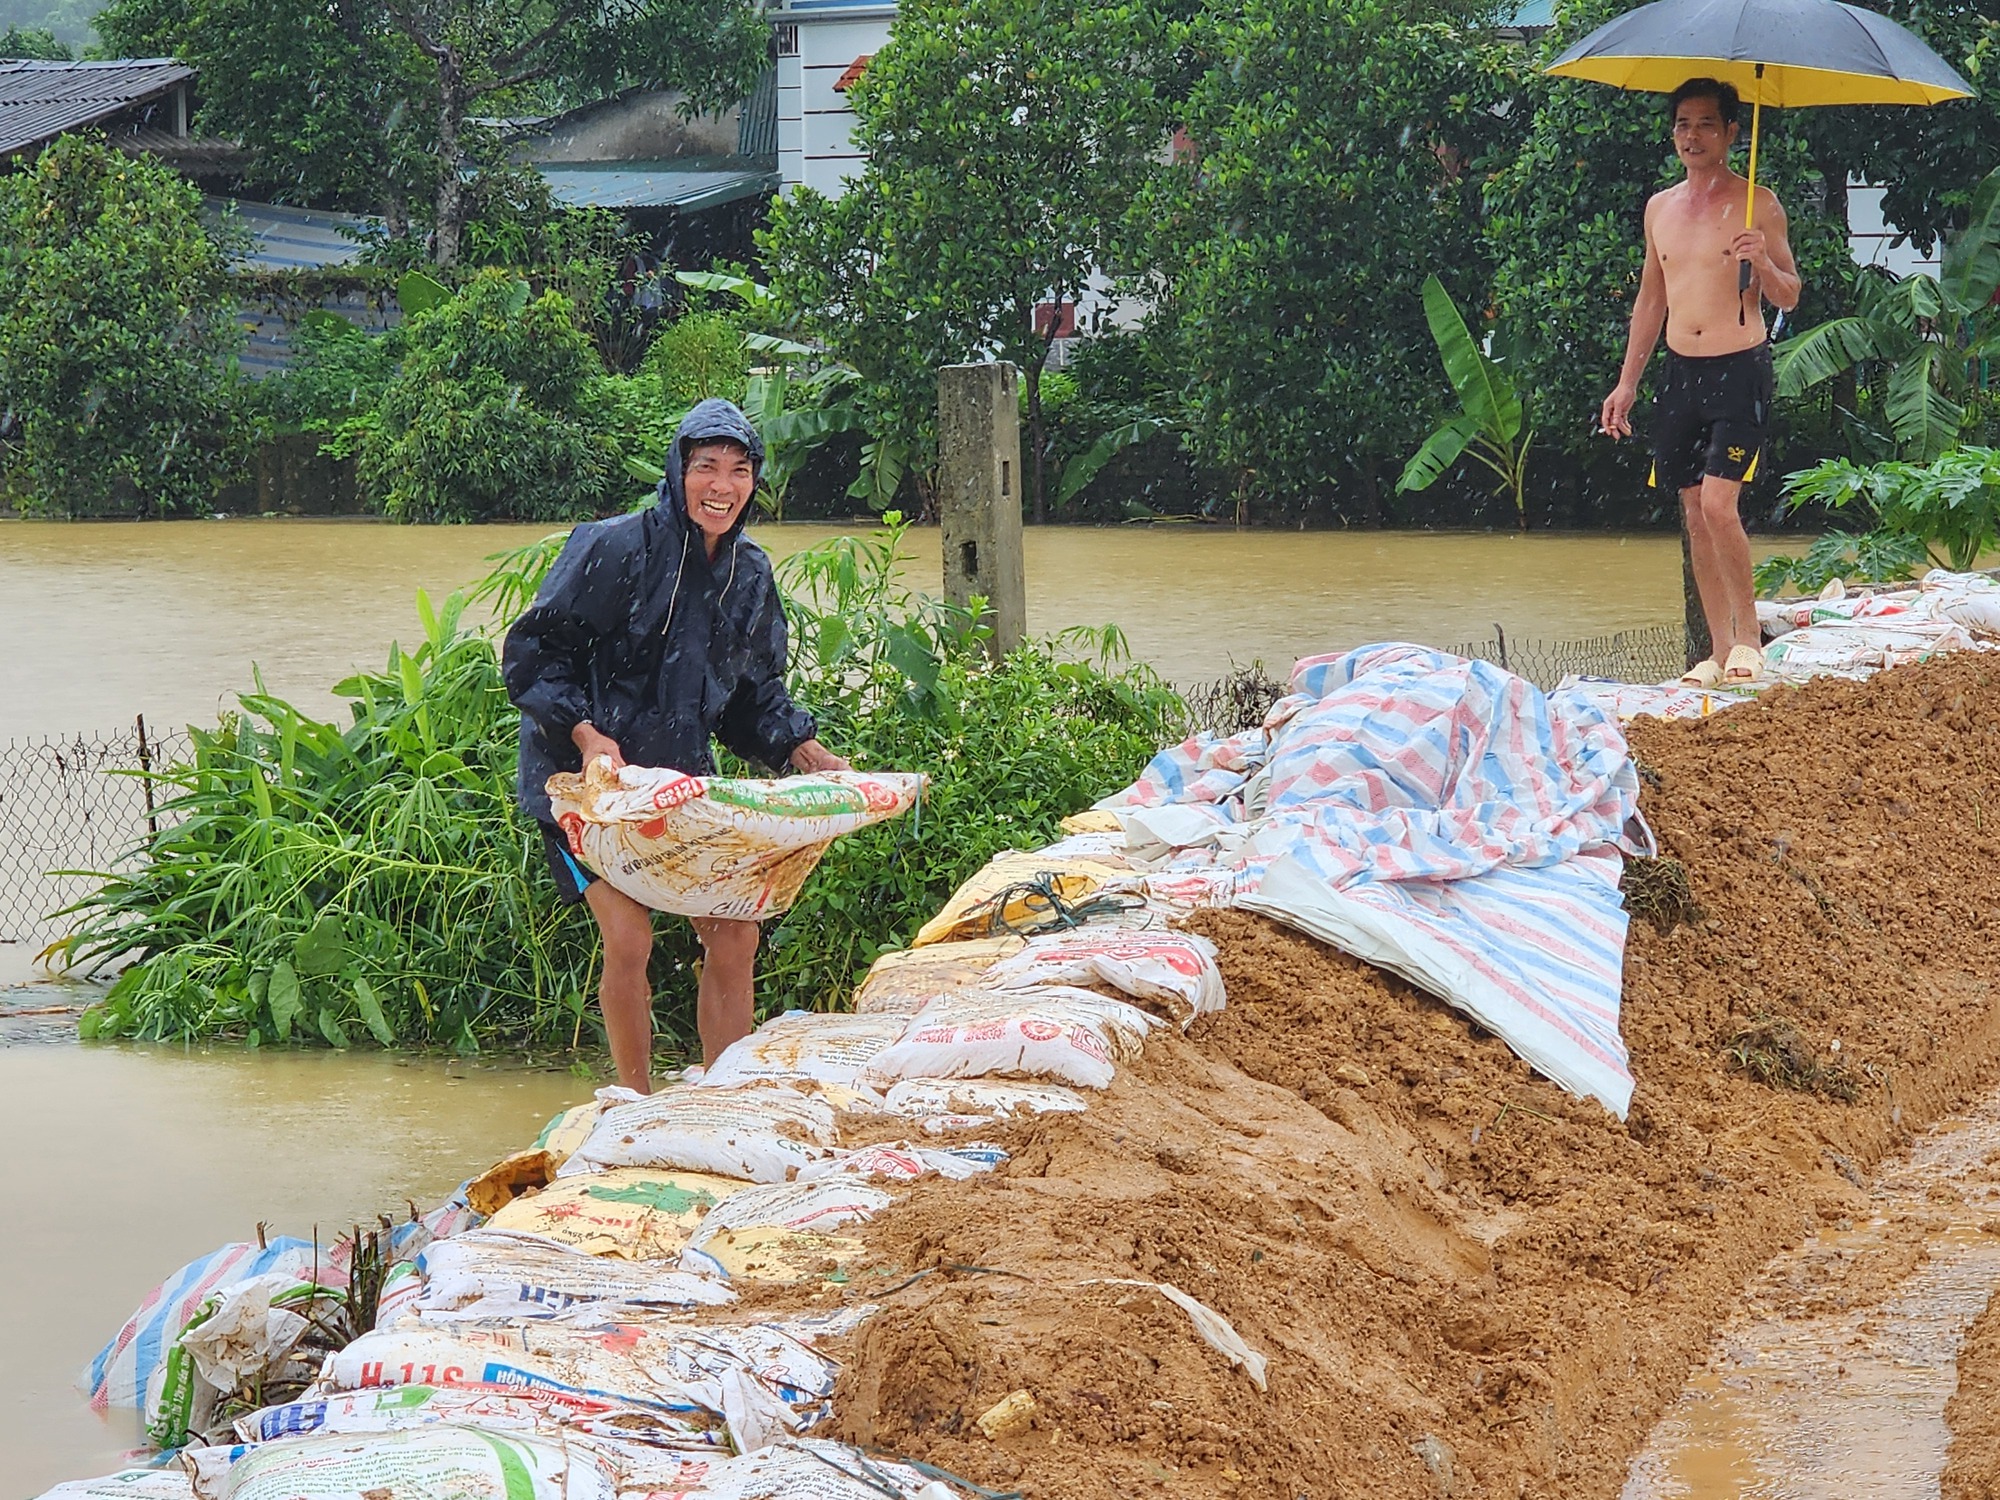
(1435, 816)
(123, 1368)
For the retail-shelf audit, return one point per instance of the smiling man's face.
(1700, 137)
(719, 481)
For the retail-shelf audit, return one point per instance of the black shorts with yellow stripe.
(1711, 416)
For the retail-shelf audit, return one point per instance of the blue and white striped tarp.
(1434, 816)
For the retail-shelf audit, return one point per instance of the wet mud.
(1466, 1281)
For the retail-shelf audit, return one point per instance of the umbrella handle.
(1750, 193)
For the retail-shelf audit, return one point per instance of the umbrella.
(1785, 53)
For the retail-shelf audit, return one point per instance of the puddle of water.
(126, 1162)
(1833, 1384)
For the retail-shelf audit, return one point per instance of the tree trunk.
(1699, 646)
(1846, 392)
(1371, 490)
(1038, 475)
(451, 196)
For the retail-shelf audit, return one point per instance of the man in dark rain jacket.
(654, 633)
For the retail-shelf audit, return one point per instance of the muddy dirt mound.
(1972, 1466)
(1468, 1282)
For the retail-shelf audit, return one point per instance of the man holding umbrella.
(1715, 389)
(1704, 53)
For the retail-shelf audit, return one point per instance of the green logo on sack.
(791, 802)
(667, 1197)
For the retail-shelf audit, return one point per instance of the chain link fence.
(74, 802)
(1654, 653)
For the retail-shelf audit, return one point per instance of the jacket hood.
(709, 420)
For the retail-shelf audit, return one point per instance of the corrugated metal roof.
(40, 100)
(687, 185)
(289, 239)
(1533, 15)
(757, 120)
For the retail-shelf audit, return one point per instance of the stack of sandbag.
(571, 1329)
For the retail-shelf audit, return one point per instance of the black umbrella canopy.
(1780, 52)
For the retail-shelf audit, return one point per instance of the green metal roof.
(686, 185)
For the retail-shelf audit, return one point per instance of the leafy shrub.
(1945, 512)
(314, 884)
(336, 380)
(632, 410)
(116, 326)
(697, 356)
(492, 414)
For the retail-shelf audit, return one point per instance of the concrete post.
(979, 495)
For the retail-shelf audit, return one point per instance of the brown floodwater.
(106, 620)
(129, 1161)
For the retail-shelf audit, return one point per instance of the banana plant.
(1084, 467)
(1931, 335)
(1491, 424)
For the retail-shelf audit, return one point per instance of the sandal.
(1703, 674)
(1746, 665)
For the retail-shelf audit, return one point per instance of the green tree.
(323, 95)
(1339, 154)
(372, 102)
(1566, 220)
(117, 324)
(68, 21)
(33, 43)
(1006, 141)
(495, 412)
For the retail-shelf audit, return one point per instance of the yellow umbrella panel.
(1785, 53)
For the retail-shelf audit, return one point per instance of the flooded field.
(110, 620)
(131, 1161)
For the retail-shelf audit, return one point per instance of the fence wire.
(83, 802)
(1654, 653)
(72, 802)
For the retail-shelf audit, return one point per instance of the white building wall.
(1872, 238)
(815, 124)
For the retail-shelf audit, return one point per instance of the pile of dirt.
(1972, 1465)
(1468, 1282)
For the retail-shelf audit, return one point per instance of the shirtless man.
(1715, 389)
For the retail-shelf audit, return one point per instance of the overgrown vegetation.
(1945, 513)
(1240, 206)
(116, 331)
(324, 883)
(493, 413)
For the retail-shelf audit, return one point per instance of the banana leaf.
(1440, 451)
(1925, 420)
(1486, 394)
(1970, 274)
(1084, 467)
